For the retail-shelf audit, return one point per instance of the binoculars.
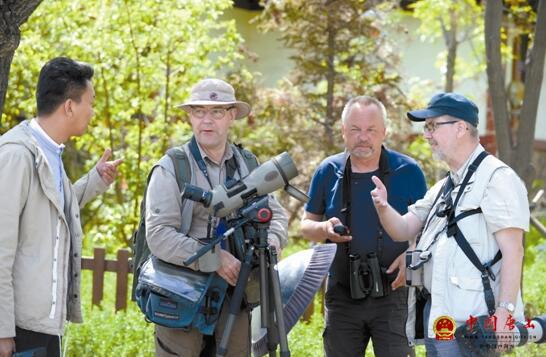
(367, 277)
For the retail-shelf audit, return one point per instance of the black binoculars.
(367, 277)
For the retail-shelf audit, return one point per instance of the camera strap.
(231, 167)
(445, 191)
(383, 175)
(453, 230)
(231, 164)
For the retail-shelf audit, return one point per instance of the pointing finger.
(378, 184)
(117, 162)
(105, 156)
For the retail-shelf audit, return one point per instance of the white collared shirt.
(453, 281)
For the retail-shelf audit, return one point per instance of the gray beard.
(438, 156)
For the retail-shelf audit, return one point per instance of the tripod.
(254, 219)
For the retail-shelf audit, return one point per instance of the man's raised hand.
(379, 193)
(108, 170)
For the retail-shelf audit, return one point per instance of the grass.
(105, 333)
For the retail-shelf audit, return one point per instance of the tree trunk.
(495, 77)
(330, 78)
(534, 72)
(452, 44)
(13, 13)
(5, 64)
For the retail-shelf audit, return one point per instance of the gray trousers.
(351, 323)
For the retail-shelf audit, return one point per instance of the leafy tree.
(457, 22)
(13, 13)
(339, 52)
(146, 55)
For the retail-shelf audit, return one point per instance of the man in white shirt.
(494, 200)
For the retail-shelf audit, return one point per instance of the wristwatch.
(508, 306)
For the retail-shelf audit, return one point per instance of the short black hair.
(60, 79)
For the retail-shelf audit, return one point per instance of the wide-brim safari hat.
(213, 91)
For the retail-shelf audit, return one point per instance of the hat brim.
(243, 109)
(423, 114)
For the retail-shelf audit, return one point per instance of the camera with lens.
(367, 277)
(414, 266)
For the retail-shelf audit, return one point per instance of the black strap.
(471, 169)
(194, 149)
(231, 167)
(445, 191)
(485, 269)
(231, 164)
(384, 172)
(346, 198)
(453, 230)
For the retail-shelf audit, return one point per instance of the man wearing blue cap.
(471, 224)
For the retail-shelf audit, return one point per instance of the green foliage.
(340, 52)
(534, 286)
(522, 15)
(305, 339)
(534, 242)
(458, 21)
(419, 149)
(105, 333)
(146, 56)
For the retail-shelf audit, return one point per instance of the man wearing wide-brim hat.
(175, 227)
(477, 212)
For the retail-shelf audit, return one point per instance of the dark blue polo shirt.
(406, 184)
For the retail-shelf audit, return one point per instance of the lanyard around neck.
(194, 149)
(231, 164)
(383, 175)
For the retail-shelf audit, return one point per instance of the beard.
(437, 154)
(362, 150)
(362, 153)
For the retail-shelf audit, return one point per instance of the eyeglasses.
(432, 126)
(215, 113)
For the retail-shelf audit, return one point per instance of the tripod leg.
(276, 285)
(236, 299)
(272, 331)
(264, 288)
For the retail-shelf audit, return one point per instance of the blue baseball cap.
(452, 104)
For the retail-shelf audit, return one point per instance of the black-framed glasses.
(216, 113)
(432, 126)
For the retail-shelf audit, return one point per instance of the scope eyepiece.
(197, 194)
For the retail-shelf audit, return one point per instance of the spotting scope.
(266, 178)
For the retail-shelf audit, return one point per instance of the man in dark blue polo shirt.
(340, 195)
